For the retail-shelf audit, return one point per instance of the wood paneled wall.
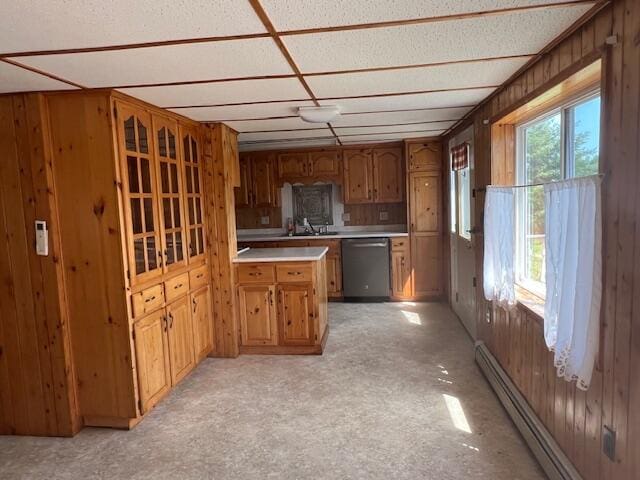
(575, 418)
(369, 213)
(37, 388)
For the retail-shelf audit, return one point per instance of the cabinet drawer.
(294, 273)
(399, 244)
(176, 286)
(198, 277)
(147, 300)
(255, 273)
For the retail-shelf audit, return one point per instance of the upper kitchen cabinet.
(257, 181)
(388, 181)
(309, 166)
(373, 175)
(193, 192)
(424, 156)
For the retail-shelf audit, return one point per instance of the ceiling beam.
(41, 72)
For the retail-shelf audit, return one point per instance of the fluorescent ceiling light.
(322, 114)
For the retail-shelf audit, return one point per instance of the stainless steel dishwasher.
(365, 269)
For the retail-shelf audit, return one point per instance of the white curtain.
(499, 246)
(573, 227)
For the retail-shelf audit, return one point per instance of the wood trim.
(389, 133)
(442, 18)
(40, 72)
(349, 126)
(200, 82)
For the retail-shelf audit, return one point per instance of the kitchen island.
(282, 300)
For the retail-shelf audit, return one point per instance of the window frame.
(567, 170)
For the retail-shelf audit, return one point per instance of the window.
(464, 203)
(561, 144)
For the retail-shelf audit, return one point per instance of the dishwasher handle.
(367, 245)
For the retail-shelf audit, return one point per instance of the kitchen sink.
(304, 234)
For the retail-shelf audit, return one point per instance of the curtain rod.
(542, 184)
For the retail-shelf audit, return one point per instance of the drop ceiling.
(396, 69)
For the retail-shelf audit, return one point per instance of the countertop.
(289, 254)
(277, 237)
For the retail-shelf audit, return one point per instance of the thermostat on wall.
(42, 238)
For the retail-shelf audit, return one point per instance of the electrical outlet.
(609, 443)
(264, 220)
(384, 215)
(346, 217)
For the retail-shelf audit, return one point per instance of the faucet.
(308, 228)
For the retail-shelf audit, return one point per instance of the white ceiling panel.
(302, 14)
(459, 75)
(16, 79)
(29, 25)
(483, 37)
(273, 124)
(406, 102)
(410, 116)
(174, 63)
(221, 93)
(278, 145)
(388, 136)
(240, 112)
(341, 132)
(294, 134)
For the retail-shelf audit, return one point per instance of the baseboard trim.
(552, 459)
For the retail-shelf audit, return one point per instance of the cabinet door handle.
(178, 286)
(271, 297)
(164, 320)
(294, 273)
(171, 320)
(150, 299)
(195, 305)
(159, 258)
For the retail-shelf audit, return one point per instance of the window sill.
(530, 301)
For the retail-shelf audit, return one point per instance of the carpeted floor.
(396, 395)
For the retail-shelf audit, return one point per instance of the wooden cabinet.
(426, 250)
(258, 187)
(424, 156)
(282, 306)
(202, 323)
(258, 318)
(309, 166)
(425, 205)
(194, 192)
(373, 176)
(324, 163)
(295, 311)
(152, 359)
(400, 269)
(180, 332)
(388, 180)
(358, 176)
(334, 276)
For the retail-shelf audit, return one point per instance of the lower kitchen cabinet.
(295, 312)
(426, 251)
(202, 323)
(334, 275)
(258, 317)
(180, 333)
(152, 356)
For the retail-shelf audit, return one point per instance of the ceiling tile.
(389, 137)
(16, 79)
(278, 145)
(174, 63)
(484, 37)
(274, 124)
(96, 23)
(221, 93)
(240, 112)
(461, 98)
(351, 131)
(410, 116)
(294, 134)
(460, 75)
(302, 14)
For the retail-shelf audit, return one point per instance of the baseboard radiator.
(552, 459)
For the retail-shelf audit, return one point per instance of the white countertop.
(277, 237)
(289, 254)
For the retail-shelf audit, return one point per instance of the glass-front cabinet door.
(192, 154)
(139, 192)
(170, 192)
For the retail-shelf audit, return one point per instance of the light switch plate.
(264, 220)
(346, 217)
(384, 215)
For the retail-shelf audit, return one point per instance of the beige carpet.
(396, 395)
